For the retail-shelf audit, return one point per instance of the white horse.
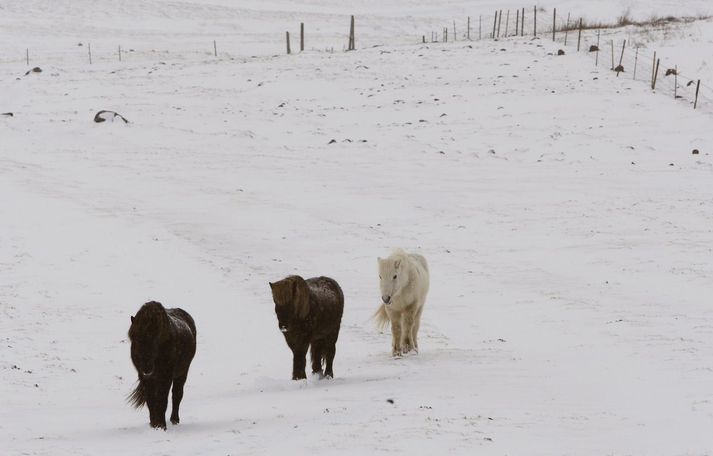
(404, 285)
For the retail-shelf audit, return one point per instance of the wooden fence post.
(119, 53)
(621, 57)
(468, 34)
(596, 61)
(675, 82)
(653, 68)
(215, 49)
(698, 86)
(352, 43)
(495, 23)
(534, 27)
(480, 28)
(90, 53)
(500, 20)
(517, 21)
(554, 23)
(507, 23)
(27, 56)
(656, 74)
(636, 61)
(302, 36)
(579, 37)
(287, 37)
(566, 30)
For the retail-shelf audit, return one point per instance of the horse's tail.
(137, 398)
(381, 317)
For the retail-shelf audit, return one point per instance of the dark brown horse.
(163, 342)
(309, 313)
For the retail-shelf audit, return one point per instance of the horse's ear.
(397, 263)
(132, 319)
(272, 285)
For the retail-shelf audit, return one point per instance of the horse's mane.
(292, 291)
(151, 316)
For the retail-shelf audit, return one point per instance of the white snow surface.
(567, 225)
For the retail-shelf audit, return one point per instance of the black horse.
(163, 342)
(309, 313)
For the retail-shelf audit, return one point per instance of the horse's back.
(183, 316)
(420, 265)
(326, 291)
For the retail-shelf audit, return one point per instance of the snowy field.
(568, 227)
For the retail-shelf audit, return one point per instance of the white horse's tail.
(381, 317)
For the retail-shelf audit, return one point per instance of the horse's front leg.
(299, 361)
(396, 333)
(408, 323)
(161, 389)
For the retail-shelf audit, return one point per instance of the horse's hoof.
(159, 426)
(175, 420)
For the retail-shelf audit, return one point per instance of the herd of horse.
(309, 314)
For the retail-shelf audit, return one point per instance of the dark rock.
(560, 52)
(34, 70)
(103, 116)
(7, 114)
(593, 48)
(695, 152)
(619, 69)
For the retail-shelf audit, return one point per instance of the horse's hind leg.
(416, 327)
(329, 352)
(316, 353)
(176, 396)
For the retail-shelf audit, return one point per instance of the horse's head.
(146, 332)
(391, 278)
(291, 298)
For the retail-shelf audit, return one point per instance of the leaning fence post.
(554, 23)
(621, 58)
(636, 60)
(656, 74)
(695, 102)
(596, 61)
(495, 23)
(579, 37)
(653, 68)
(352, 43)
(507, 23)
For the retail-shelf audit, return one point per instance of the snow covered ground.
(568, 228)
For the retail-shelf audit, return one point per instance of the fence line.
(634, 60)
